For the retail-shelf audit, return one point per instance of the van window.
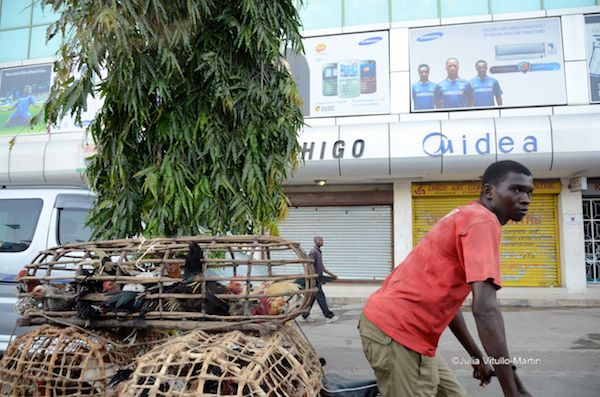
(18, 221)
(71, 226)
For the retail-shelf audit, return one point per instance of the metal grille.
(591, 231)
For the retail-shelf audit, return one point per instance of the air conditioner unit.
(520, 51)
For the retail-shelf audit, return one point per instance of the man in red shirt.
(402, 321)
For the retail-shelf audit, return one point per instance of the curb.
(539, 303)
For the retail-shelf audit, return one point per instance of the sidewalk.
(343, 294)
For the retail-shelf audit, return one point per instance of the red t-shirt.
(423, 294)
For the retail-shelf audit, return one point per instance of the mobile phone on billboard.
(330, 79)
(368, 77)
(348, 79)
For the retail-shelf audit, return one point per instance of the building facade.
(387, 150)
(389, 153)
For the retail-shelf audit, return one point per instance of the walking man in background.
(317, 257)
(402, 321)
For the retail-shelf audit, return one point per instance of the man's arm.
(490, 326)
(498, 93)
(469, 95)
(460, 330)
(437, 96)
(333, 276)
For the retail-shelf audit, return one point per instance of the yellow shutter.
(529, 254)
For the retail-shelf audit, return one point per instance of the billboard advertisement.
(23, 92)
(348, 75)
(592, 33)
(487, 65)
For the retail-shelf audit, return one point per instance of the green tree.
(198, 127)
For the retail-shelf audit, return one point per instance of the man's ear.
(487, 190)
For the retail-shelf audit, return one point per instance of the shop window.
(407, 10)
(39, 48)
(461, 8)
(14, 44)
(15, 14)
(321, 14)
(503, 6)
(359, 12)
(549, 4)
(43, 15)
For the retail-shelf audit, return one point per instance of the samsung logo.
(370, 40)
(430, 36)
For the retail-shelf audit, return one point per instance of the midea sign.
(437, 144)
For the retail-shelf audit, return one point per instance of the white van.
(43, 203)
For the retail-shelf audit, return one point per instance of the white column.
(572, 250)
(403, 220)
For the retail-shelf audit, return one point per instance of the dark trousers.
(320, 298)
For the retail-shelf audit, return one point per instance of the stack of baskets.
(106, 303)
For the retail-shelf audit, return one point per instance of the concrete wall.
(403, 241)
(572, 249)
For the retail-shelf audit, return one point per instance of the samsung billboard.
(344, 75)
(487, 65)
(23, 93)
(592, 27)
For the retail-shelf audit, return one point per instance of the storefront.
(356, 226)
(530, 248)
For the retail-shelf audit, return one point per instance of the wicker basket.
(235, 282)
(61, 362)
(228, 364)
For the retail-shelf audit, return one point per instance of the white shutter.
(357, 239)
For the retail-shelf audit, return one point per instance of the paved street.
(561, 348)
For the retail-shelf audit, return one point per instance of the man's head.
(481, 67)
(318, 241)
(506, 188)
(423, 72)
(452, 68)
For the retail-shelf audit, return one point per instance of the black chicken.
(192, 284)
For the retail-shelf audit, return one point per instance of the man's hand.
(483, 372)
(491, 332)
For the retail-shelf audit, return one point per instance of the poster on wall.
(347, 75)
(592, 33)
(23, 92)
(487, 65)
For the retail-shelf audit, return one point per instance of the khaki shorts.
(402, 372)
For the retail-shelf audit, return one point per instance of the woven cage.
(228, 364)
(61, 362)
(230, 282)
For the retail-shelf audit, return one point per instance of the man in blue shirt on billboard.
(485, 88)
(423, 90)
(453, 92)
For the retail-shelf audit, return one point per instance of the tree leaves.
(199, 122)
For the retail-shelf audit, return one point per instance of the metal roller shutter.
(529, 254)
(357, 239)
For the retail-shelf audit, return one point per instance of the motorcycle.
(337, 385)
